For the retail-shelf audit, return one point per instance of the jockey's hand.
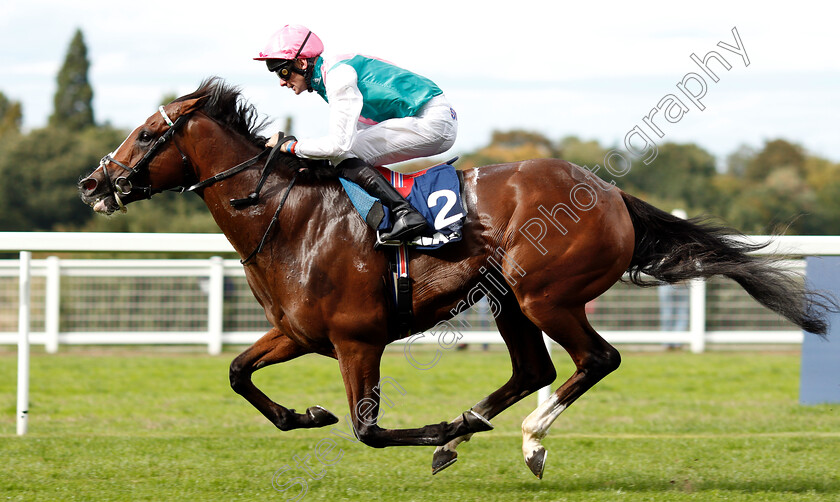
(272, 141)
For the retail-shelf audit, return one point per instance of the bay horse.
(548, 234)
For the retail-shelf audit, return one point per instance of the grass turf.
(152, 424)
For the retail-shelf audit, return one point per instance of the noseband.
(123, 185)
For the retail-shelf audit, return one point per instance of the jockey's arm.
(345, 102)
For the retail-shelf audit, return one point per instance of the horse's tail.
(671, 249)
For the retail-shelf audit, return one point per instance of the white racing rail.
(214, 271)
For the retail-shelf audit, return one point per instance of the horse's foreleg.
(594, 359)
(274, 347)
(359, 363)
(532, 370)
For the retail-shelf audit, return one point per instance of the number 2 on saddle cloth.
(435, 193)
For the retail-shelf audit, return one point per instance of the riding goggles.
(282, 67)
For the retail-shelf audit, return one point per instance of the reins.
(225, 174)
(274, 219)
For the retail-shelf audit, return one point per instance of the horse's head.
(147, 162)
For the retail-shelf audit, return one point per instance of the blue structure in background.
(820, 382)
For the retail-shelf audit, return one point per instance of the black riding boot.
(408, 223)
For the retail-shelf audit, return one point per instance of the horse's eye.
(144, 137)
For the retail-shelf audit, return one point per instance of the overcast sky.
(592, 69)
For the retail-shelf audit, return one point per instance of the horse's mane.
(225, 105)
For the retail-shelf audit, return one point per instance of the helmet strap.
(307, 73)
(303, 44)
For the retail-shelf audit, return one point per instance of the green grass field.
(156, 424)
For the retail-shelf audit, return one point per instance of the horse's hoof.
(476, 422)
(536, 462)
(321, 416)
(443, 459)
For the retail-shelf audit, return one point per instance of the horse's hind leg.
(359, 364)
(274, 347)
(594, 359)
(532, 370)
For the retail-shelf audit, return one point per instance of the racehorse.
(548, 235)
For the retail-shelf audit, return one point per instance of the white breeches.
(430, 132)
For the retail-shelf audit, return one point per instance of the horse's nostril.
(88, 185)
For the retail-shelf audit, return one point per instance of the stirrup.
(380, 242)
(409, 234)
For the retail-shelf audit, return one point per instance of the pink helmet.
(291, 42)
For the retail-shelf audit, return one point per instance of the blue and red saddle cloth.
(434, 192)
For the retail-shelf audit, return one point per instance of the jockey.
(379, 114)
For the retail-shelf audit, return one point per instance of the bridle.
(123, 185)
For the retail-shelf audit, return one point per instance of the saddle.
(436, 194)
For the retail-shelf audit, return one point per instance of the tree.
(737, 161)
(39, 172)
(166, 212)
(517, 138)
(776, 154)
(510, 146)
(782, 203)
(583, 153)
(826, 216)
(73, 101)
(682, 173)
(824, 177)
(11, 116)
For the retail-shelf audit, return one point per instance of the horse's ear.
(188, 106)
